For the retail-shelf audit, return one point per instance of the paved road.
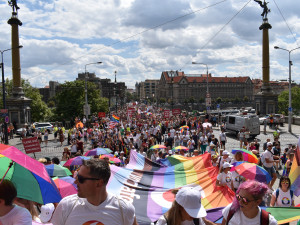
(54, 149)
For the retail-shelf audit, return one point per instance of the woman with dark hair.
(245, 207)
(283, 196)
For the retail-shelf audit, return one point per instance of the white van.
(234, 123)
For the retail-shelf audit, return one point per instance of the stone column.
(15, 52)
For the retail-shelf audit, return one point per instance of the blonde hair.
(174, 214)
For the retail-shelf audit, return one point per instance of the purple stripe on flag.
(154, 210)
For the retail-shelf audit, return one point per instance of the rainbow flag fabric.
(295, 171)
(115, 118)
(148, 185)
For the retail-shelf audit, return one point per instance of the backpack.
(277, 194)
(264, 216)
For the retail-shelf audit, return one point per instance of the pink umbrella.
(65, 188)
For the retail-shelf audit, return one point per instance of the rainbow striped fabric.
(115, 118)
(295, 171)
(148, 185)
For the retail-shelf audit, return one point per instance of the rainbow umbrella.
(98, 151)
(184, 127)
(76, 161)
(149, 113)
(252, 171)
(57, 171)
(65, 188)
(180, 148)
(112, 159)
(28, 175)
(158, 147)
(248, 155)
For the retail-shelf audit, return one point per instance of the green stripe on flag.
(284, 214)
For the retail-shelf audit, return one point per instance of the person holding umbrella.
(9, 213)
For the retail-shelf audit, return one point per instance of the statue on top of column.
(265, 7)
(14, 5)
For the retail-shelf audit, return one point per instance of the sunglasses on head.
(81, 179)
(284, 182)
(243, 199)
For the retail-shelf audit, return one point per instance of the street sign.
(218, 106)
(290, 109)
(3, 114)
(208, 101)
(86, 109)
(6, 119)
(208, 108)
(2, 111)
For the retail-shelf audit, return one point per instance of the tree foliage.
(39, 109)
(70, 99)
(283, 101)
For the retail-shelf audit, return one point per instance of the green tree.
(283, 101)
(201, 100)
(162, 100)
(191, 99)
(71, 99)
(246, 99)
(219, 100)
(39, 109)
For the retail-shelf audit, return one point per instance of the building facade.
(147, 89)
(177, 87)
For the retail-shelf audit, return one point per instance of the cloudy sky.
(141, 38)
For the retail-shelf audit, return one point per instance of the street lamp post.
(207, 93)
(86, 105)
(172, 75)
(290, 110)
(115, 91)
(3, 91)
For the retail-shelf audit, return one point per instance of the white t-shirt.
(236, 179)
(172, 133)
(74, 210)
(239, 218)
(284, 198)
(268, 155)
(162, 221)
(225, 178)
(17, 216)
(223, 160)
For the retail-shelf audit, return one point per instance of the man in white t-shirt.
(11, 214)
(268, 163)
(93, 204)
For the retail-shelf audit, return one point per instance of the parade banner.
(31, 145)
(176, 112)
(166, 113)
(148, 185)
(101, 114)
(130, 112)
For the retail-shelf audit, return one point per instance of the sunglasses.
(285, 182)
(81, 179)
(243, 199)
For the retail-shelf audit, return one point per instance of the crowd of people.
(139, 133)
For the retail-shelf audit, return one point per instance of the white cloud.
(60, 37)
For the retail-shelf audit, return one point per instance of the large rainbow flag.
(295, 171)
(115, 118)
(148, 185)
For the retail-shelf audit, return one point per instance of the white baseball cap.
(190, 199)
(46, 212)
(227, 165)
(269, 144)
(170, 152)
(225, 152)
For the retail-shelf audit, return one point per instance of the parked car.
(42, 127)
(261, 120)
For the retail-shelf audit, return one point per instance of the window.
(231, 120)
